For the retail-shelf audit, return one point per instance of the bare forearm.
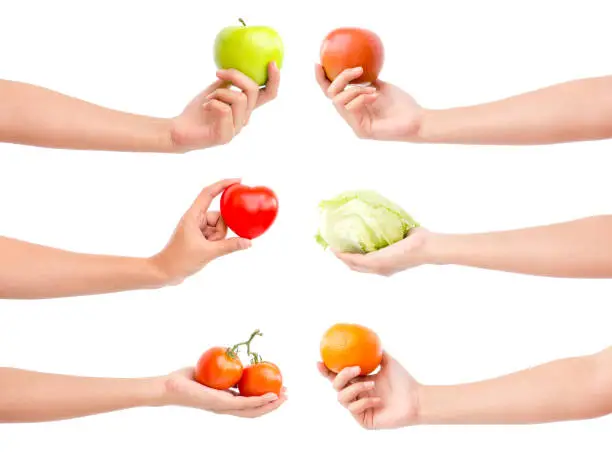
(580, 249)
(573, 111)
(570, 389)
(33, 115)
(29, 271)
(27, 396)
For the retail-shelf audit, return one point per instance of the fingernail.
(270, 397)
(358, 69)
(356, 370)
(369, 384)
(245, 243)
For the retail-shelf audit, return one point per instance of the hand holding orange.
(351, 345)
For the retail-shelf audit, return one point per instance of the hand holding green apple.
(249, 50)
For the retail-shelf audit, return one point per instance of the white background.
(446, 324)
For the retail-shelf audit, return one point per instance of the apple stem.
(242, 22)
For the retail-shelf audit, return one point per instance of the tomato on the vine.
(260, 378)
(249, 211)
(219, 368)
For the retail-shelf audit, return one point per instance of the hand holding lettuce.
(370, 233)
(362, 222)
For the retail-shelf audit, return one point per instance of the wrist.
(438, 249)
(425, 396)
(154, 391)
(157, 275)
(162, 270)
(161, 135)
(422, 128)
(433, 124)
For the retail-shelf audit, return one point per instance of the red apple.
(352, 47)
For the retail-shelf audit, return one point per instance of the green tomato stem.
(253, 356)
(242, 22)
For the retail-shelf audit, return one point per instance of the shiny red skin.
(260, 379)
(351, 47)
(218, 370)
(249, 211)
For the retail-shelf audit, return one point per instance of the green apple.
(249, 49)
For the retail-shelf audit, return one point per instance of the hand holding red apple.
(378, 111)
(351, 47)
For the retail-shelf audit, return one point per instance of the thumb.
(230, 245)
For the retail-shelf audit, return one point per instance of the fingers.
(352, 392)
(261, 411)
(321, 78)
(223, 114)
(355, 261)
(213, 226)
(233, 244)
(238, 103)
(271, 90)
(345, 377)
(211, 219)
(361, 100)
(239, 403)
(342, 81)
(363, 404)
(325, 372)
(206, 196)
(351, 101)
(248, 87)
(202, 98)
(350, 94)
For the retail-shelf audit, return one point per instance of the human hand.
(199, 238)
(386, 400)
(218, 114)
(412, 251)
(181, 389)
(381, 111)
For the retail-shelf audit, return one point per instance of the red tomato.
(249, 211)
(260, 379)
(219, 368)
(349, 48)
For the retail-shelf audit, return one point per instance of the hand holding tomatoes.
(181, 389)
(249, 211)
(221, 368)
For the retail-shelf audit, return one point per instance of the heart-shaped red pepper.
(249, 211)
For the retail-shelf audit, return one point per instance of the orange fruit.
(351, 345)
